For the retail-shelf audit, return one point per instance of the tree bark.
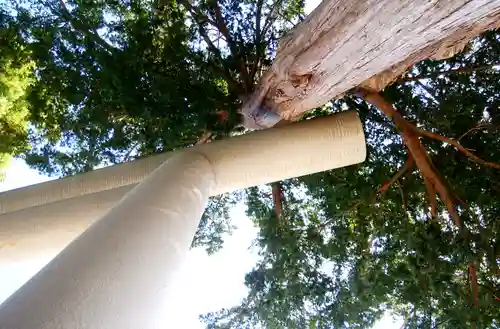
(368, 43)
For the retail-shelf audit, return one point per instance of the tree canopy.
(16, 74)
(413, 230)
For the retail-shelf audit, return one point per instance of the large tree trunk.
(369, 43)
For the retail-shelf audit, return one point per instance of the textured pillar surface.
(46, 217)
(117, 274)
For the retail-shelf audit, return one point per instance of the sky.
(205, 283)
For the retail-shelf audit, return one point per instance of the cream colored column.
(117, 274)
(46, 217)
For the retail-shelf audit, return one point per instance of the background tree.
(413, 230)
(16, 73)
(125, 79)
(352, 244)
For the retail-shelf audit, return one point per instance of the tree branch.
(258, 16)
(277, 198)
(410, 135)
(204, 138)
(493, 292)
(271, 18)
(432, 194)
(434, 183)
(458, 146)
(407, 166)
(129, 152)
(377, 100)
(473, 284)
(82, 27)
(478, 127)
(222, 27)
(447, 72)
(257, 39)
(200, 20)
(426, 89)
(403, 198)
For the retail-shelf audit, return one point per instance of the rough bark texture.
(368, 43)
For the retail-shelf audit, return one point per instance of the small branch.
(271, 17)
(204, 138)
(493, 292)
(478, 127)
(257, 39)
(447, 72)
(201, 20)
(403, 198)
(222, 27)
(458, 146)
(352, 207)
(277, 198)
(129, 153)
(409, 163)
(473, 284)
(258, 16)
(411, 135)
(82, 27)
(432, 194)
(224, 73)
(428, 92)
(370, 115)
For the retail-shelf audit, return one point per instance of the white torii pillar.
(117, 274)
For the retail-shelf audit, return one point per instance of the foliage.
(349, 247)
(116, 80)
(15, 76)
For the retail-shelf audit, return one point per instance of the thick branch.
(432, 195)
(434, 183)
(467, 69)
(417, 150)
(339, 46)
(377, 100)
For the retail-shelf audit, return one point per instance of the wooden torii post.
(115, 275)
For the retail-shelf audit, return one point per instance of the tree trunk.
(368, 43)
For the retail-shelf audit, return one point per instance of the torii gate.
(117, 273)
